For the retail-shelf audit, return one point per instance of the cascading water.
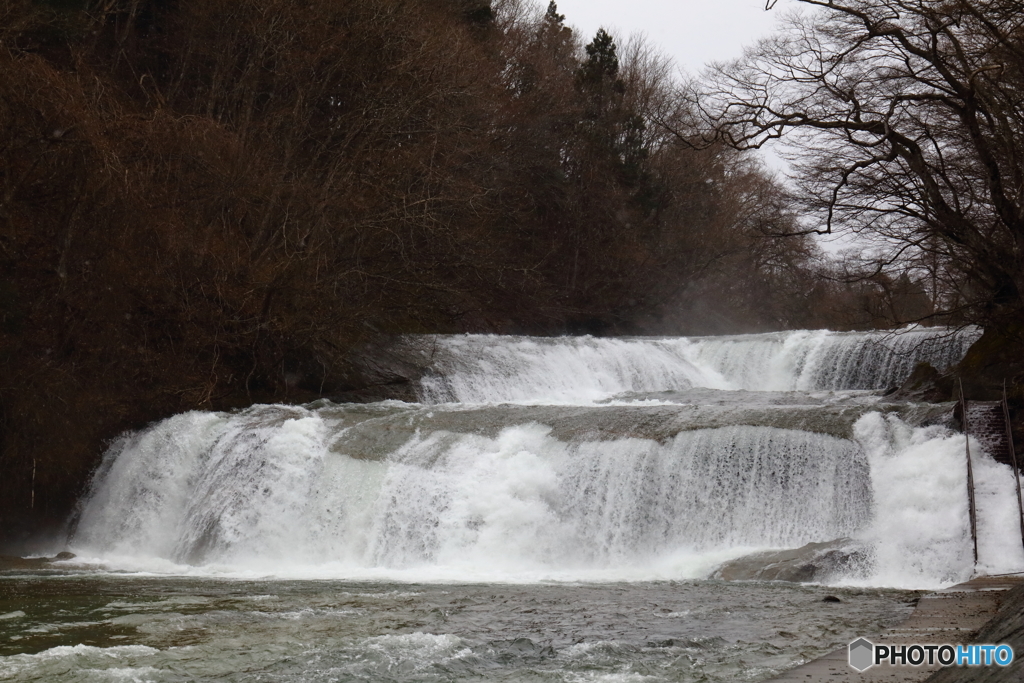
(278, 486)
(563, 484)
(488, 369)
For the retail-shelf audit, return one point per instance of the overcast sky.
(692, 32)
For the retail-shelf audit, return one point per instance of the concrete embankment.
(1006, 627)
(983, 610)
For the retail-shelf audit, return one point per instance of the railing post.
(1013, 460)
(970, 474)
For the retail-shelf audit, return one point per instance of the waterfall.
(576, 491)
(280, 485)
(490, 369)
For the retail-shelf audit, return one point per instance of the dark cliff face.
(925, 384)
(995, 359)
(993, 364)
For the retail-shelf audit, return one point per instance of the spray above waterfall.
(577, 490)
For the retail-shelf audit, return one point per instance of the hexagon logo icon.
(862, 654)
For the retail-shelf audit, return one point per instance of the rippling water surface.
(88, 627)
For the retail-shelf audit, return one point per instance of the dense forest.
(209, 204)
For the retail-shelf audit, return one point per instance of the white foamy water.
(284, 494)
(920, 531)
(595, 493)
(491, 369)
(57, 661)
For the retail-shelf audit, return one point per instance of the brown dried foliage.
(207, 204)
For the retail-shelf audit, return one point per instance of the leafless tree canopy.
(908, 121)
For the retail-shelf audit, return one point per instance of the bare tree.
(908, 120)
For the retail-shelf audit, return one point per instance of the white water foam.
(58, 660)
(525, 501)
(494, 369)
(805, 360)
(397, 492)
(266, 496)
(262, 497)
(491, 369)
(920, 534)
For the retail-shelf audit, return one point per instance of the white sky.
(692, 32)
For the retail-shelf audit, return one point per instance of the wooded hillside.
(209, 204)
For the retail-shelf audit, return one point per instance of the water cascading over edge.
(492, 369)
(528, 492)
(279, 486)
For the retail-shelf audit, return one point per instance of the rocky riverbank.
(993, 363)
(983, 610)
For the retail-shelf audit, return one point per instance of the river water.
(551, 510)
(116, 628)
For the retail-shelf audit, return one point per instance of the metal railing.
(970, 474)
(1013, 460)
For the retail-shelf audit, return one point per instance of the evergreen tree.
(612, 126)
(478, 12)
(552, 16)
(602, 64)
(554, 35)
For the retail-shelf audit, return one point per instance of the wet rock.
(14, 562)
(812, 562)
(524, 649)
(523, 645)
(925, 384)
(997, 357)
(385, 368)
